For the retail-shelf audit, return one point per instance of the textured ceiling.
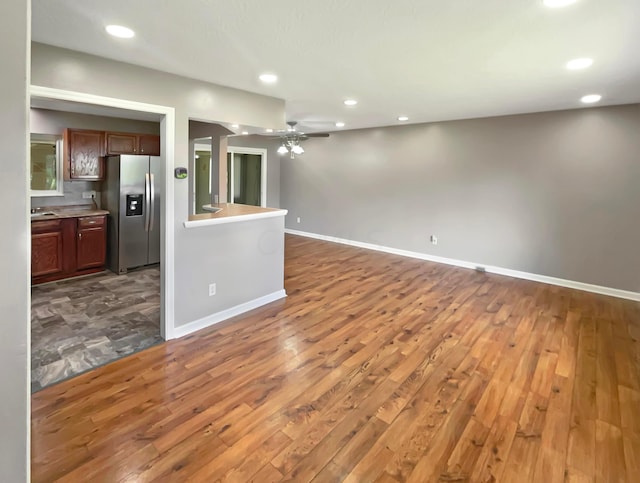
(430, 60)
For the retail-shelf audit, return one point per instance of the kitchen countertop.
(76, 211)
(232, 212)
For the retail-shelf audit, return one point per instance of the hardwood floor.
(375, 368)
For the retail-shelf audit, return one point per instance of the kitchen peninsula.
(240, 259)
(219, 213)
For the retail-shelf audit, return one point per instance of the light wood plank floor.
(375, 368)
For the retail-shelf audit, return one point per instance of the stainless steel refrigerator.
(131, 192)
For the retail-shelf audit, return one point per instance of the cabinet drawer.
(44, 226)
(90, 221)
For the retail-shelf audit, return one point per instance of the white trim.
(167, 129)
(212, 319)
(587, 287)
(234, 219)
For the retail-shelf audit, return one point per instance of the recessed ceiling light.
(558, 3)
(350, 102)
(245, 133)
(269, 130)
(577, 64)
(339, 124)
(268, 78)
(120, 31)
(591, 98)
(235, 126)
(403, 118)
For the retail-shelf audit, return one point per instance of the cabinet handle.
(79, 235)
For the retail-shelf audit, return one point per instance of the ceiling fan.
(291, 139)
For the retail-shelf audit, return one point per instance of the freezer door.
(133, 240)
(155, 174)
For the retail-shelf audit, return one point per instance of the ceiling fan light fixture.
(297, 149)
(283, 149)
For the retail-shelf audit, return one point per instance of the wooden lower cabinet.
(67, 247)
(91, 243)
(46, 253)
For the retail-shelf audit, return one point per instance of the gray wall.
(46, 121)
(192, 99)
(273, 162)
(245, 260)
(15, 242)
(555, 194)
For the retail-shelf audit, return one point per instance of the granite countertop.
(58, 212)
(232, 212)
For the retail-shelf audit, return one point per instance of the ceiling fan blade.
(317, 135)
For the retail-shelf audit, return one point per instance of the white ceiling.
(427, 59)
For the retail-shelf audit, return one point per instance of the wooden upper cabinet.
(149, 144)
(84, 154)
(128, 143)
(120, 143)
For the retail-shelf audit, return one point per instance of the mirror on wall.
(46, 165)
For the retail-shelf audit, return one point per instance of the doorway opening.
(247, 176)
(83, 322)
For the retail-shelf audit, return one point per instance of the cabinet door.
(149, 144)
(46, 253)
(91, 245)
(85, 154)
(118, 143)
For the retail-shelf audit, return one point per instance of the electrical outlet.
(434, 239)
(88, 194)
(212, 289)
(298, 220)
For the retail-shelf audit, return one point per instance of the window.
(46, 165)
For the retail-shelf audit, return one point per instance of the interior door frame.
(167, 139)
(263, 170)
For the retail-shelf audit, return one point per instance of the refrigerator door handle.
(147, 201)
(153, 201)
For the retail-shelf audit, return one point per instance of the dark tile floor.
(80, 324)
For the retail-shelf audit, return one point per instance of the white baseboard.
(212, 319)
(587, 287)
